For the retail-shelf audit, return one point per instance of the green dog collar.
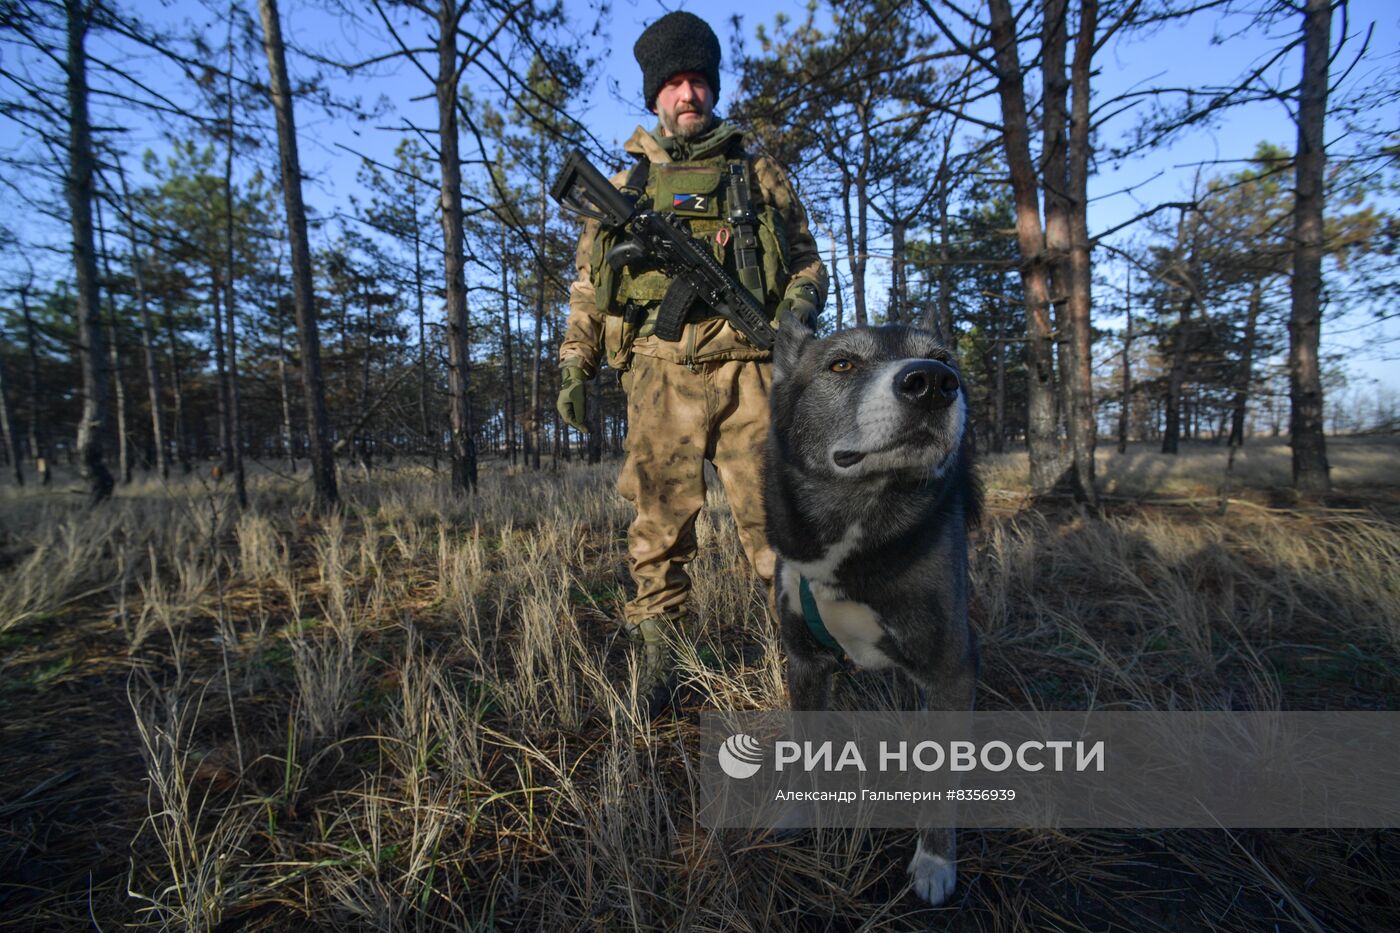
(814, 618)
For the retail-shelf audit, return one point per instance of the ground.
(415, 713)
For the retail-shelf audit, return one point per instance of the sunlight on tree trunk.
(317, 424)
(94, 424)
(1310, 470)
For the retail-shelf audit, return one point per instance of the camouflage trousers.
(676, 420)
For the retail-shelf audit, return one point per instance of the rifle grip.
(629, 250)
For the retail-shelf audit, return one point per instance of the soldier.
(703, 396)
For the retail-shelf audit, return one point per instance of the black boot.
(656, 675)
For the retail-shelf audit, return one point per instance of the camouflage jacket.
(593, 331)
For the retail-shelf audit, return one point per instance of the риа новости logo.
(740, 756)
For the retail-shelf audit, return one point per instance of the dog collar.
(813, 618)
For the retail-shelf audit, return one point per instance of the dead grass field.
(414, 715)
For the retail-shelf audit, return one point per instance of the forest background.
(308, 601)
(889, 125)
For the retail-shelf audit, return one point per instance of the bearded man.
(703, 396)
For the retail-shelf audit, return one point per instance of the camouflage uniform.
(704, 396)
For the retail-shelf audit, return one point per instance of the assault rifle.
(664, 239)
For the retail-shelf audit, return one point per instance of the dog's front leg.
(809, 679)
(809, 666)
(809, 670)
(934, 869)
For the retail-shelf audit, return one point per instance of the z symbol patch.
(690, 203)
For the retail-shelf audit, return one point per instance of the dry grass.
(417, 714)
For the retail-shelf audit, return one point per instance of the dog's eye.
(842, 366)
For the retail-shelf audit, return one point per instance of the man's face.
(685, 105)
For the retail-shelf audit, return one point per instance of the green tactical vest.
(698, 192)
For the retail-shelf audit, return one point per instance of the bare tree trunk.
(284, 389)
(1079, 381)
(1240, 404)
(118, 386)
(313, 389)
(459, 376)
(37, 439)
(114, 354)
(564, 439)
(235, 426)
(862, 238)
(1054, 154)
(508, 349)
(429, 437)
(1055, 180)
(999, 339)
(853, 257)
(536, 415)
(148, 350)
(181, 434)
(863, 209)
(341, 375)
(523, 430)
(93, 425)
(361, 442)
(836, 288)
(560, 431)
(216, 298)
(836, 276)
(1042, 438)
(943, 323)
(899, 289)
(1060, 209)
(1126, 395)
(1310, 469)
(10, 440)
(1171, 434)
(235, 420)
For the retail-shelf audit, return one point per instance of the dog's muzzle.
(927, 384)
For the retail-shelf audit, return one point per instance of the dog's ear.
(793, 334)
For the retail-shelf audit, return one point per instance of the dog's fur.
(869, 491)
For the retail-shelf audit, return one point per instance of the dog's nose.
(927, 383)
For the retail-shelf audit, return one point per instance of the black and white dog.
(869, 492)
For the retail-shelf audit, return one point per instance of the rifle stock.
(583, 189)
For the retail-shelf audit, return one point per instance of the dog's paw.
(933, 876)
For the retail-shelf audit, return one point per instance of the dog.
(870, 490)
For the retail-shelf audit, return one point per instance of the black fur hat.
(674, 43)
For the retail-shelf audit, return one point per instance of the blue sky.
(1177, 55)
(1199, 51)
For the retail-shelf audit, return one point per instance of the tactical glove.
(570, 404)
(801, 300)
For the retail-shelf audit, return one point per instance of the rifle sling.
(636, 183)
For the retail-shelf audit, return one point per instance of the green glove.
(801, 300)
(570, 402)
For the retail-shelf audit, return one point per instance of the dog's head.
(871, 402)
